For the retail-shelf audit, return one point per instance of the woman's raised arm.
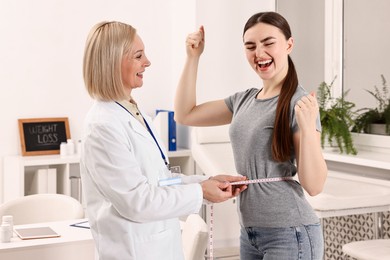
(187, 112)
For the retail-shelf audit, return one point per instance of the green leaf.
(336, 116)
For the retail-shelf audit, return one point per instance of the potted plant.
(375, 120)
(336, 119)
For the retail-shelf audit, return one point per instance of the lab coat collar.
(136, 125)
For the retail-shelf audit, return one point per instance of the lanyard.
(151, 133)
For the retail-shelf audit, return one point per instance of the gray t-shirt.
(272, 204)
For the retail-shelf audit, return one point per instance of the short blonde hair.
(106, 45)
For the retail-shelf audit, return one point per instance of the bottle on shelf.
(78, 149)
(63, 149)
(70, 147)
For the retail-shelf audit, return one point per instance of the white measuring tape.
(211, 246)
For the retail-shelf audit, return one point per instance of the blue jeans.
(303, 242)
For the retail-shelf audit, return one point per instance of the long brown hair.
(282, 136)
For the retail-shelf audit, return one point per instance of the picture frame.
(43, 136)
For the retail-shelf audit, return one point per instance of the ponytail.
(282, 136)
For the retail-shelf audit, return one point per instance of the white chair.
(42, 208)
(194, 237)
(211, 150)
(377, 249)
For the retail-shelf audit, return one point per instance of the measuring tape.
(211, 246)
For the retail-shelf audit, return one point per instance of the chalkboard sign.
(39, 136)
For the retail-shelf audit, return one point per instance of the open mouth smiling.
(265, 63)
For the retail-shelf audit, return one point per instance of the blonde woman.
(132, 213)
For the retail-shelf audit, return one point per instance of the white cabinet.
(183, 158)
(19, 169)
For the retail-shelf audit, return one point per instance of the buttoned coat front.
(131, 216)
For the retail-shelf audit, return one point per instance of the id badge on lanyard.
(169, 178)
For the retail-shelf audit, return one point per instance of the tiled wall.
(386, 225)
(342, 230)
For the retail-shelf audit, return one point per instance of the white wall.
(223, 67)
(307, 28)
(42, 44)
(41, 58)
(366, 44)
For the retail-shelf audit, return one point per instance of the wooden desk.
(75, 243)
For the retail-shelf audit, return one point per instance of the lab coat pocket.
(156, 246)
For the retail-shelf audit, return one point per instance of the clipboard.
(83, 224)
(36, 232)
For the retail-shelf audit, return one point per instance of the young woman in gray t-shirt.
(275, 132)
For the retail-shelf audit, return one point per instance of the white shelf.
(181, 152)
(45, 159)
(372, 159)
(363, 158)
(183, 158)
(16, 168)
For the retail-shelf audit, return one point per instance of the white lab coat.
(131, 217)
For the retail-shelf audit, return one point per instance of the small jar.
(63, 149)
(78, 150)
(5, 233)
(8, 219)
(70, 147)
